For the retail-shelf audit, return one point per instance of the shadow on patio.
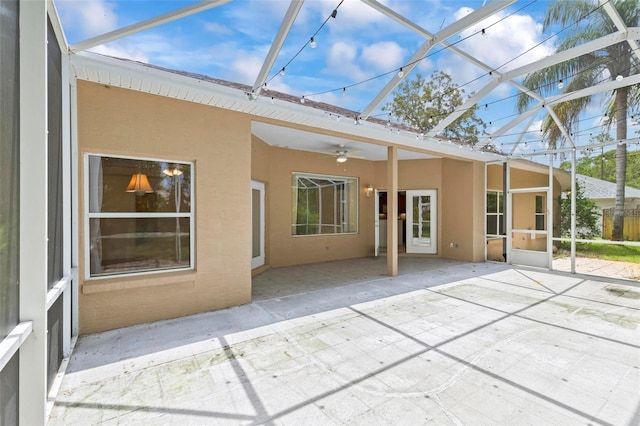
(449, 343)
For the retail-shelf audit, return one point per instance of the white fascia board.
(119, 73)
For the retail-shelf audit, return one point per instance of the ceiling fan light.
(341, 158)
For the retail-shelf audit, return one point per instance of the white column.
(392, 211)
(550, 216)
(509, 212)
(74, 204)
(33, 209)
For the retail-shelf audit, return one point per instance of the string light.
(282, 71)
(302, 100)
(344, 91)
(313, 43)
(400, 72)
(619, 77)
(560, 84)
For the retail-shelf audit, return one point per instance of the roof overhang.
(199, 89)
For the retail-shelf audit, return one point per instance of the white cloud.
(342, 59)
(383, 56)
(246, 68)
(510, 41)
(216, 28)
(89, 17)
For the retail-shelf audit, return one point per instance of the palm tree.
(586, 21)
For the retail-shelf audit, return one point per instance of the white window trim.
(88, 215)
(356, 197)
(498, 214)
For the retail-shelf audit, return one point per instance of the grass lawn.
(602, 251)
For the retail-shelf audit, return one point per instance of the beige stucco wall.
(463, 210)
(460, 188)
(115, 121)
(285, 249)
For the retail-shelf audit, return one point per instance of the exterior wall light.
(368, 190)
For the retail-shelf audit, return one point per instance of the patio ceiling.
(430, 144)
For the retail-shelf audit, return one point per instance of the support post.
(33, 210)
(392, 211)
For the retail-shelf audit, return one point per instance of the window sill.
(129, 283)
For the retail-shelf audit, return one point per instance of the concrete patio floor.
(339, 343)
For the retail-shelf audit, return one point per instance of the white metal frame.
(33, 212)
(347, 195)
(530, 257)
(89, 215)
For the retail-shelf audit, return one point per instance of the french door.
(421, 225)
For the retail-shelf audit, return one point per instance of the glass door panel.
(421, 222)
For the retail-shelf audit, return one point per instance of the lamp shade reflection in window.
(139, 215)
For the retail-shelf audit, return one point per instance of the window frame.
(499, 215)
(354, 193)
(88, 215)
(542, 214)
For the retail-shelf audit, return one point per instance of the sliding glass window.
(139, 215)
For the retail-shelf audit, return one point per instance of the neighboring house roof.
(595, 188)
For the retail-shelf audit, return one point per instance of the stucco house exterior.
(134, 194)
(247, 200)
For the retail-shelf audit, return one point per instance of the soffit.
(287, 112)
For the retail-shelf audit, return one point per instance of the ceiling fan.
(341, 154)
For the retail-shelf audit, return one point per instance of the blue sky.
(231, 41)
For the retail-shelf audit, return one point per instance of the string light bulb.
(400, 73)
(484, 33)
(313, 43)
(560, 84)
(619, 77)
(282, 71)
(344, 91)
(302, 100)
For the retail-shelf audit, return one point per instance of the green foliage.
(591, 22)
(603, 164)
(586, 215)
(423, 103)
(615, 252)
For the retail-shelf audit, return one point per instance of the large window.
(324, 204)
(139, 215)
(495, 213)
